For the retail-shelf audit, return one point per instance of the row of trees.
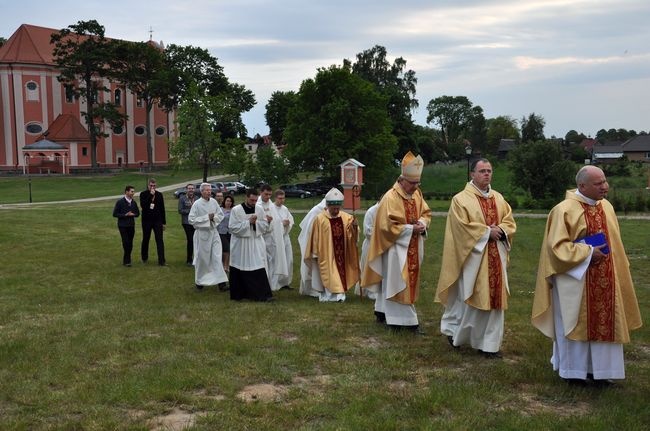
(360, 109)
(183, 76)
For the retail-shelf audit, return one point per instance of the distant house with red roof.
(34, 105)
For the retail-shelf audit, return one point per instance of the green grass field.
(86, 344)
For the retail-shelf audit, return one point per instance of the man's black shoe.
(380, 317)
(576, 382)
(450, 340)
(223, 287)
(491, 355)
(199, 287)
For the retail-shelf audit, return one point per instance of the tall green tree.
(339, 115)
(198, 75)
(429, 143)
(501, 127)
(82, 53)
(477, 129)
(540, 169)
(141, 66)
(198, 140)
(277, 110)
(452, 114)
(2, 41)
(620, 135)
(573, 137)
(398, 85)
(532, 128)
(197, 66)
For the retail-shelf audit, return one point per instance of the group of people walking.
(584, 296)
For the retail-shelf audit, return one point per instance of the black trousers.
(189, 235)
(127, 233)
(160, 245)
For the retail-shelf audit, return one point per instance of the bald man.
(584, 296)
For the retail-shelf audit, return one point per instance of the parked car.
(241, 187)
(234, 187)
(292, 190)
(315, 188)
(216, 187)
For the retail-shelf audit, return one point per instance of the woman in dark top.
(222, 228)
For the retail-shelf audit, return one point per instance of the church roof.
(44, 144)
(30, 44)
(66, 128)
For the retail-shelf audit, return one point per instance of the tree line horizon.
(360, 109)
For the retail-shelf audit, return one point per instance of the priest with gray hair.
(205, 215)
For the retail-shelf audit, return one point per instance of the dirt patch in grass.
(176, 419)
(288, 337)
(365, 342)
(534, 405)
(264, 392)
(208, 394)
(314, 385)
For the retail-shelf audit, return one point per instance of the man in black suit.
(126, 210)
(153, 218)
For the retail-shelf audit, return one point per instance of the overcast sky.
(581, 64)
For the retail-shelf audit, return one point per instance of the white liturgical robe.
(208, 267)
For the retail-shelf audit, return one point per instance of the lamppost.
(468, 154)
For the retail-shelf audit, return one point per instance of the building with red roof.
(35, 105)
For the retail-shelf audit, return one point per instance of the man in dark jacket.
(153, 218)
(126, 210)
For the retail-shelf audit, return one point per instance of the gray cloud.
(578, 63)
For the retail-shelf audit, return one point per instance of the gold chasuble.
(333, 242)
(395, 210)
(470, 215)
(608, 308)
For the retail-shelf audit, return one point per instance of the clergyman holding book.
(584, 296)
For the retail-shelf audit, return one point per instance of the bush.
(639, 203)
(514, 204)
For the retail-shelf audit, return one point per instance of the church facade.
(34, 105)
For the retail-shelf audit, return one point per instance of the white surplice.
(303, 237)
(481, 329)
(390, 265)
(247, 247)
(208, 266)
(274, 241)
(368, 225)
(280, 279)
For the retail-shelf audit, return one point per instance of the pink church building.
(35, 106)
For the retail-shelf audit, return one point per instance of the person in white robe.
(248, 279)
(276, 262)
(286, 219)
(368, 225)
(204, 216)
(303, 237)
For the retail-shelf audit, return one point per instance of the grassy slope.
(88, 344)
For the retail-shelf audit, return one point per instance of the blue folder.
(596, 240)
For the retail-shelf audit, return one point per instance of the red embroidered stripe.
(338, 242)
(600, 294)
(495, 278)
